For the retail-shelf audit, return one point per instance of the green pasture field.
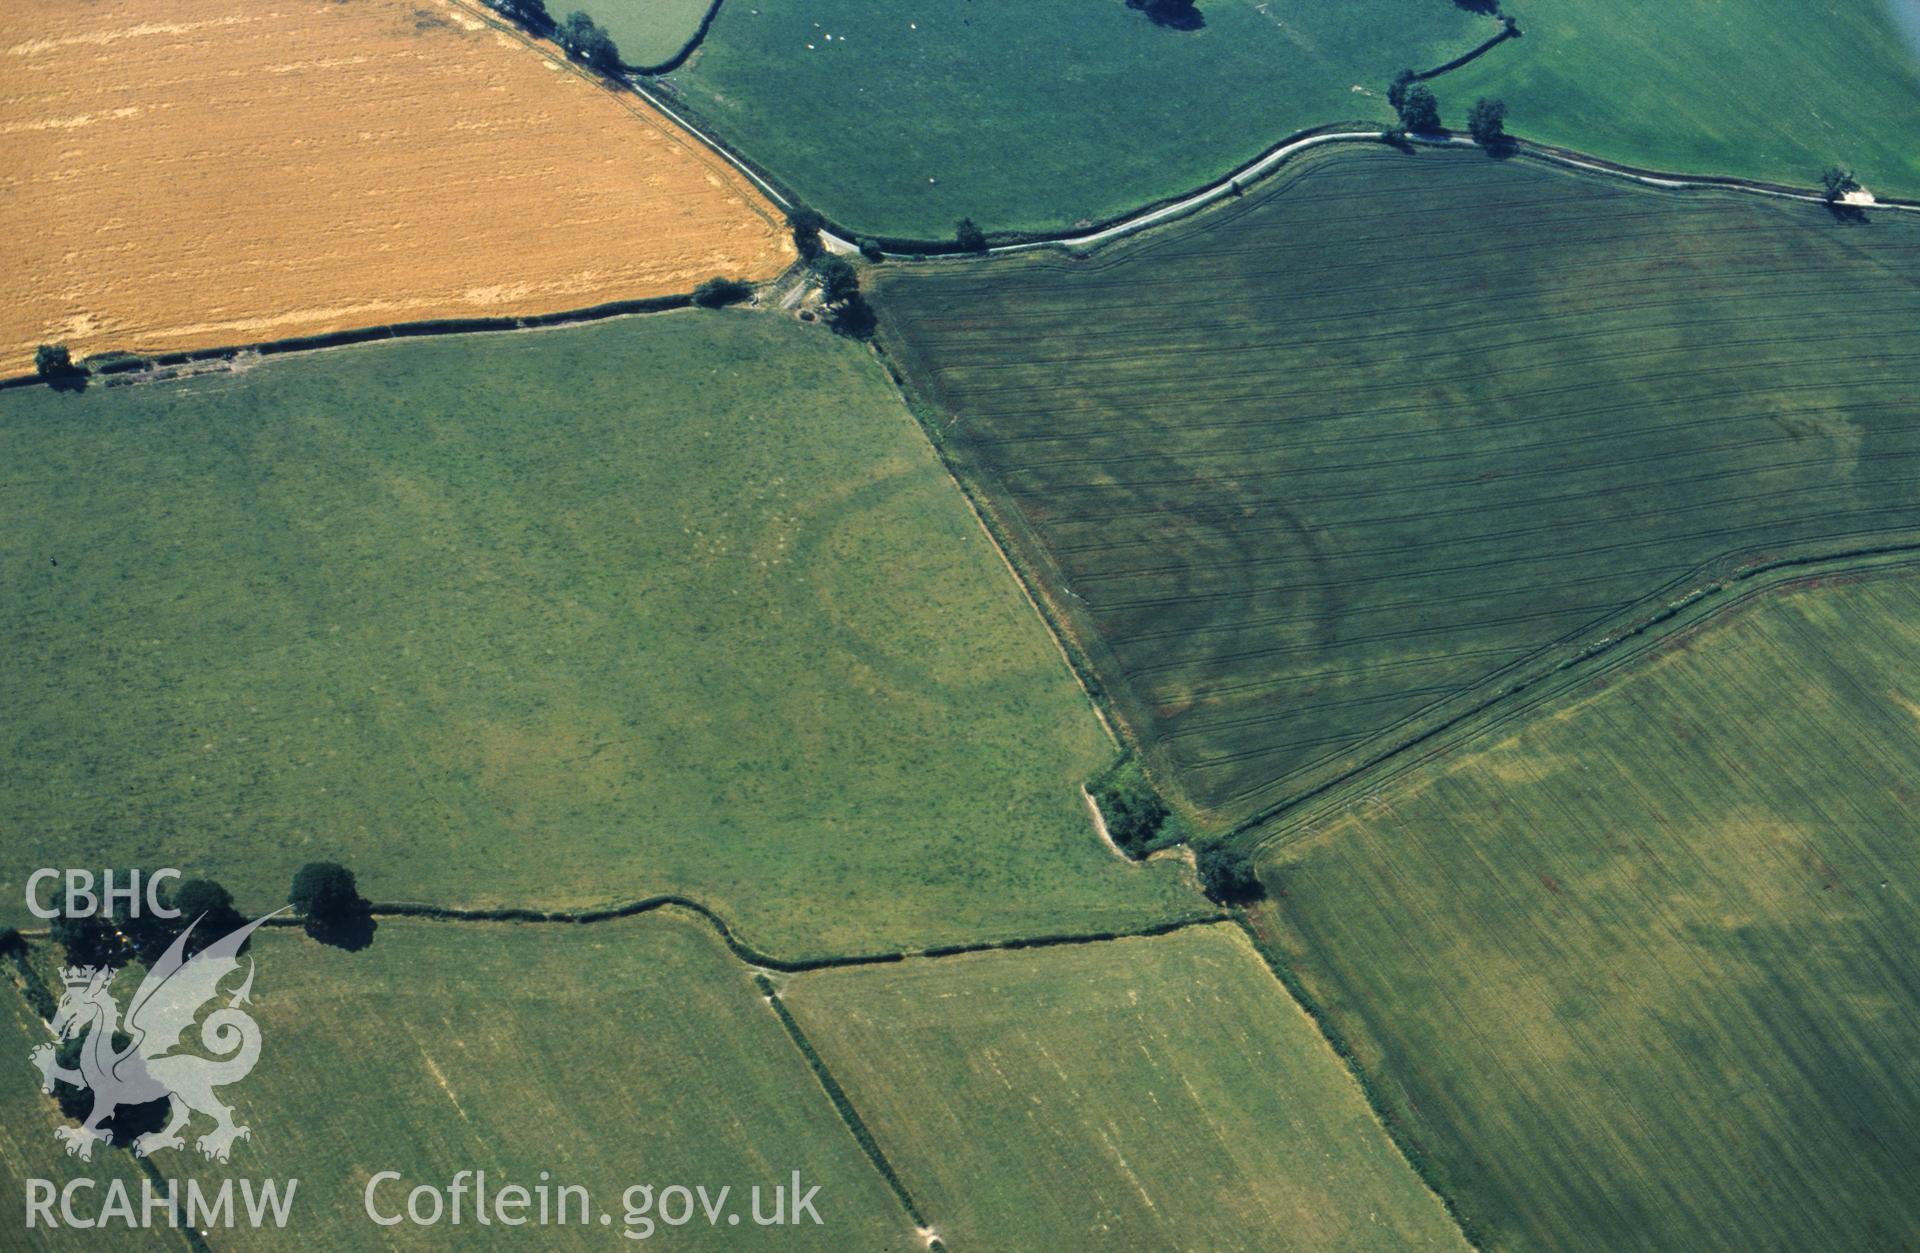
(624, 1053)
(1640, 971)
(1040, 116)
(1141, 1093)
(1309, 475)
(680, 604)
(1768, 89)
(647, 32)
(29, 1151)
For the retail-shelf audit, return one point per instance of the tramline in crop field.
(1312, 473)
(1639, 969)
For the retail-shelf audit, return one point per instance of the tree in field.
(326, 890)
(807, 225)
(208, 908)
(871, 250)
(90, 941)
(1397, 89)
(1134, 817)
(1227, 875)
(330, 905)
(529, 13)
(1177, 14)
(119, 933)
(52, 361)
(584, 41)
(1419, 111)
(1835, 182)
(849, 313)
(839, 281)
(970, 236)
(1487, 122)
(719, 291)
(853, 317)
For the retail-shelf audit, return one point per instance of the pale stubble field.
(219, 173)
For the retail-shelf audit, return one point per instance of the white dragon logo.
(146, 1069)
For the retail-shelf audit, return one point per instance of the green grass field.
(1640, 972)
(647, 32)
(29, 1151)
(670, 604)
(1310, 474)
(1035, 117)
(1769, 89)
(635, 1052)
(1143, 1093)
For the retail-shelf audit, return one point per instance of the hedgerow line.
(1611, 651)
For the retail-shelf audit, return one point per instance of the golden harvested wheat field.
(210, 172)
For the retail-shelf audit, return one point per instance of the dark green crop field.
(671, 604)
(897, 120)
(1310, 474)
(1640, 971)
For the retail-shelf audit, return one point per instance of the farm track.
(1236, 181)
(933, 251)
(1274, 160)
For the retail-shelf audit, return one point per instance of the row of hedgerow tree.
(1419, 111)
(584, 39)
(323, 893)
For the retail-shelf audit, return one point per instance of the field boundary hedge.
(1620, 647)
(1021, 552)
(1571, 159)
(842, 1103)
(39, 1001)
(740, 948)
(905, 247)
(1410, 1152)
(1509, 29)
(157, 366)
(687, 49)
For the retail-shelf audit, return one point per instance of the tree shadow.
(1500, 149)
(130, 1122)
(69, 381)
(1851, 214)
(1171, 14)
(854, 318)
(1489, 7)
(352, 933)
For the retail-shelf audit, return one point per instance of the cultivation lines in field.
(1642, 968)
(237, 173)
(1140, 1093)
(1308, 473)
